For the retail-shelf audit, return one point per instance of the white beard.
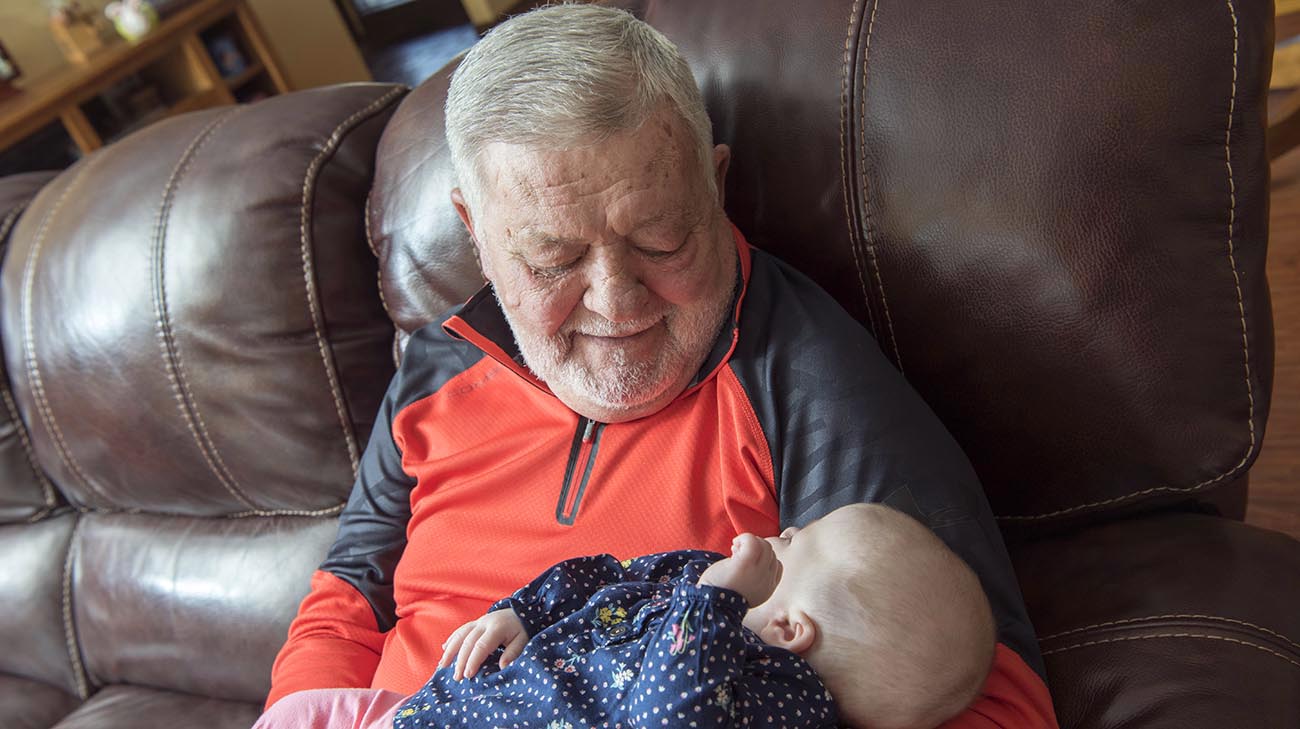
(624, 385)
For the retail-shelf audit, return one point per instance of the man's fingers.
(513, 649)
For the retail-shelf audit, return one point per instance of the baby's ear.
(794, 631)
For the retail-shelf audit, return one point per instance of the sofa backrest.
(196, 346)
(1057, 236)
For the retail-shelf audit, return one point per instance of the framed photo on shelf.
(226, 55)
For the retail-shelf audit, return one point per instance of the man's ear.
(721, 161)
(792, 630)
(466, 217)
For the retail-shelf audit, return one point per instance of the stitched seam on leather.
(29, 337)
(1241, 309)
(1172, 616)
(308, 269)
(328, 511)
(8, 223)
(845, 150)
(47, 489)
(379, 268)
(866, 192)
(69, 625)
(855, 241)
(1232, 258)
(1224, 638)
(173, 362)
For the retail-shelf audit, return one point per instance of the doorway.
(379, 23)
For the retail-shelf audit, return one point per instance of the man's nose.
(615, 290)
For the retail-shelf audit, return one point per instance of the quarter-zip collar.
(481, 322)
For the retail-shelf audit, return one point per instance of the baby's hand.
(472, 642)
(752, 570)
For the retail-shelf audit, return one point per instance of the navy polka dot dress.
(629, 644)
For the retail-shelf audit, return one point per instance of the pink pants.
(333, 709)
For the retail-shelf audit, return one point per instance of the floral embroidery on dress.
(569, 665)
(722, 698)
(611, 616)
(682, 634)
(625, 563)
(559, 724)
(622, 674)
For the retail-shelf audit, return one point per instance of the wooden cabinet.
(208, 54)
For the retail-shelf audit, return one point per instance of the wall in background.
(25, 32)
(308, 36)
(311, 40)
(486, 12)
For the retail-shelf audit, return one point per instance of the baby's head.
(895, 623)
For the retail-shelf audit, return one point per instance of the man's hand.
(752, 570)
(472, 642)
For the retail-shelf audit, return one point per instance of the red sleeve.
(1014, 697)
(333, 643)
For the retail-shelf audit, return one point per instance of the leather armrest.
(1179, 620)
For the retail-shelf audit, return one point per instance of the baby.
(865, 599)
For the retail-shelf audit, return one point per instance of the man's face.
(614, 264)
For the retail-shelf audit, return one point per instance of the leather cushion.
(135, 707)
(191, 314)
(25, 492)
(199, 606)
(34, 628)
(26, 704)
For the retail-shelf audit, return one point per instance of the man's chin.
(616, 404)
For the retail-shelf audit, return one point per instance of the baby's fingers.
(513, 649)
(466, 648)
(484, 643)
(452, 646)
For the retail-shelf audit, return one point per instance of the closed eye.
(656, 254)
(549, 272)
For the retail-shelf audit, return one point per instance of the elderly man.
(634, 379)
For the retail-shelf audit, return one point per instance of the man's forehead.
(525, 173)
(544, 236)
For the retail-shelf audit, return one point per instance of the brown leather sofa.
(1054, 222)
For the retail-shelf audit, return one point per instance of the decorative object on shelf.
(133, 19)
(226, 54)
(74, 31)
(8, 72)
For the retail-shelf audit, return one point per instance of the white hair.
(566, 76)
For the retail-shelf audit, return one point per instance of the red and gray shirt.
(476, 478)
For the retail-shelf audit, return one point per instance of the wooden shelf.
(61, 95)
(254, 70)
(201, 100)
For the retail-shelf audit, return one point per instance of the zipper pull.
(586, 434)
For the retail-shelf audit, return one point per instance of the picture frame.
(9, 70)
